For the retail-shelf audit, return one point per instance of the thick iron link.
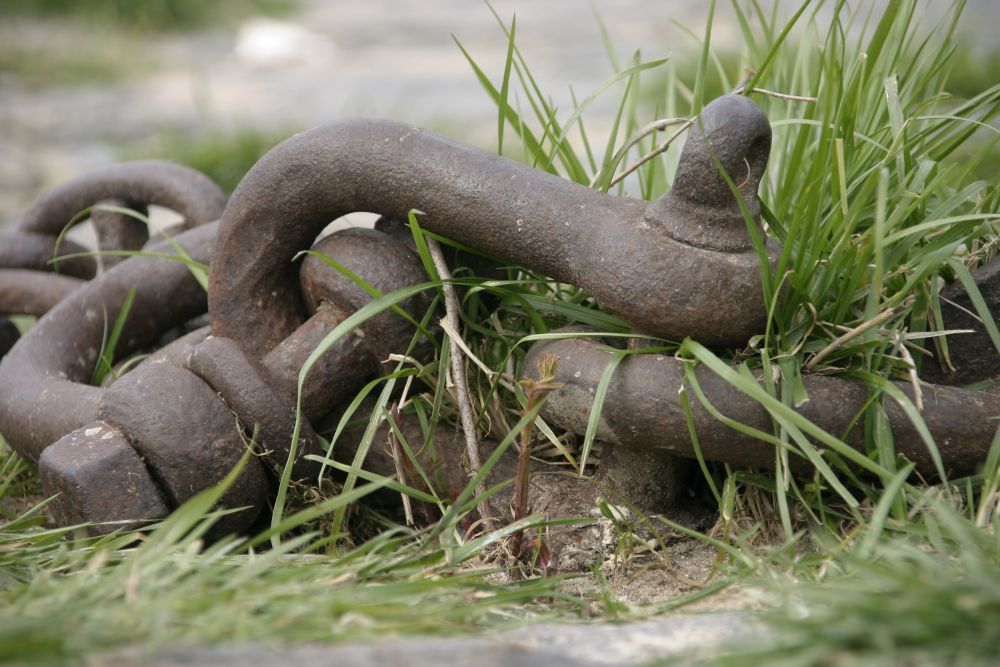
(683, 265)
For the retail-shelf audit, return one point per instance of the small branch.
(839, 341)
(451, 307)
(786, 96)
(918, 394)
(742, 89)
(685, 123)
(655, 126)
(662, 148)
(397, 459)
(506, 379)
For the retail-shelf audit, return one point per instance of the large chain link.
(180, 420)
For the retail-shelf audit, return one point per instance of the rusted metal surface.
(44, 390)
(187, 436)
(37, 266)
(24, 292)
(973, 356)
(116, 230)
(331, 377)
(262, 407)
(100, 477)
(9, 335)
(39, 252)
(680, 266)
(189, 411)
(642, 410)
(136, 184)
(176, 425)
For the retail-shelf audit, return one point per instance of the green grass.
(38, 55)
(872, 190)
(144, 15)
(225, 156)
(65, 597)
(918, 592)
(90, 60)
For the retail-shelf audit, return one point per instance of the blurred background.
(215, 84)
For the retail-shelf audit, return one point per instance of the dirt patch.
(625, 555)
(13, 506)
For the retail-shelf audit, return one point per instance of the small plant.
(534, 392)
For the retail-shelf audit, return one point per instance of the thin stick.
(397, 459)
(684, 125)
(655, 126)
(837, 342)
(911, 371)
(649, 156)
(780, 96)
(451, 308)
(506, 380)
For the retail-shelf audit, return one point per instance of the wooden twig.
(685, 123)
(918, 394)
(506, 380)
(397, 459)
(655, 126)
(650, 155)
(839, 341)
(458, 377)
(780, 96)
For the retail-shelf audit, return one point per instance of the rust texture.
(683, 265)
(642, 410)
(37, 266)
(136, 185)
(133, 185)
(679, 266)
(38, 252)
(24, 292)
(972, 356)
(46, 398)
(44, 381)
(9, 334)
(177, 423)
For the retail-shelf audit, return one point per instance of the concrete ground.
(547, 645)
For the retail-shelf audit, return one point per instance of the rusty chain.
(683, 265)
(39, 268)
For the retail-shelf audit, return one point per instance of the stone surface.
(544, 645)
